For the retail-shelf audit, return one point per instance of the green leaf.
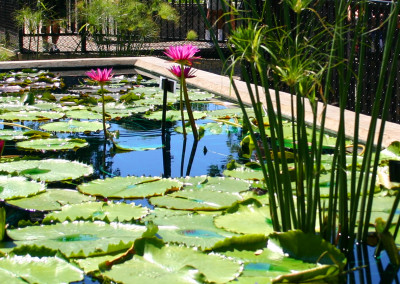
(109, 212)
(238, 221)
(308, 247)
(52, 144)
(17, 187)
(220, 184)
(48, 170)
(2, 223)
(79, 238)
(196, 200)
(19, 269)
(170, 264)
(173, 115)
(73, 126)
(130, 187)
(31, 115)
(51, 199)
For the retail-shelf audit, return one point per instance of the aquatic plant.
(282, 47)
(101, 77)
(184, 55)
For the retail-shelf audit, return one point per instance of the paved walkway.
(211, 82)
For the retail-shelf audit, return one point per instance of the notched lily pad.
(173, 115)
(79, 238)
(51, 199)
(48, 170)
(103, 211)
(130, 187)
(196, 200)
(52, 144)
(73, 126)
(38, 270)
(18, 187)
(31, 115)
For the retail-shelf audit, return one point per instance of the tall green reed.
(289, 46)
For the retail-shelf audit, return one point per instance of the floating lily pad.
(52, 144)
(8, 134)
(197, 95)
(109, 212)
(245, 173)
(73, 126)
(221, 184)
(31, 115)
(130, 187)
(238, 221)
(191, 229)
(51, 199)
(79, 238)
(48, 170)
(264, 266)
(28, 269)
(83, 114)
(18, 187)
(196, 200)
(308, 247)
(173, 115)
(171, 264)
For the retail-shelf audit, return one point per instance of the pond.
(137, 177)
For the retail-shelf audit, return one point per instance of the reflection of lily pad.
(52, 144)
(48, 170)
(73, 126)
(17, 187)
(79, 239)
(38, 270)
(109, 212)
(196, 200)
(51, 199)
(130, 187)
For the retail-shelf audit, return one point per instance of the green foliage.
(129, 23)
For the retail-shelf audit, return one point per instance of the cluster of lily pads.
(195, 230)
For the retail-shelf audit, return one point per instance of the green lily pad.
(73, 126)
(171, 264)
(173, 115)
(197, 95)
(48, 170)
(28, 269)
(265, 265)
(238, 221)
(31, 115)
(18, 187)
(8, 135)
(245, 173)
(108, 212)
(307, 247)
(191, 229)
(83, 114)
(130, 187)
(196, 200)
(221, 184)
(51, 199)
(52, 144)
(79, 238)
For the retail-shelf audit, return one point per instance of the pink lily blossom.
(188, 72)
(100, 76)
(182, 54)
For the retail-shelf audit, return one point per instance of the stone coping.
(210, 82)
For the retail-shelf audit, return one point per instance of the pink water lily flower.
(188, 72)
(182, 54)
(100, 76)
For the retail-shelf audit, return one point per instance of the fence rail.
(73, 40)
